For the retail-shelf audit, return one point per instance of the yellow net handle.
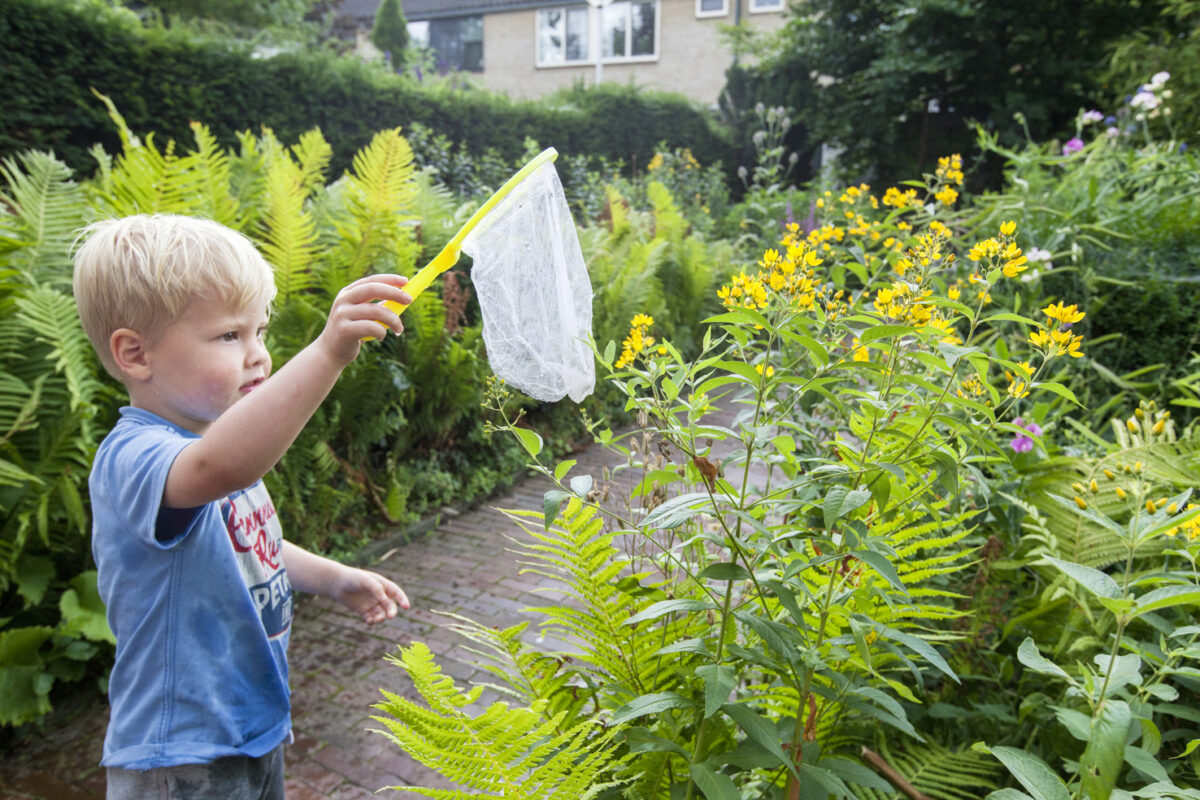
(448, 256)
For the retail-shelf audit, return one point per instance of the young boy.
(192, 564)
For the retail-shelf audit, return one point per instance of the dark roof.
(431, 9)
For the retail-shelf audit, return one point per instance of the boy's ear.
(128, 350)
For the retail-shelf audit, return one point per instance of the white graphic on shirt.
(257, 539)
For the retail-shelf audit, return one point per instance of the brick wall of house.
(692, 58)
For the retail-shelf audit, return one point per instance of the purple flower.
(1183, 147)
(1073, 145)
(1022, 443)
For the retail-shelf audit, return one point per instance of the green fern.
(938, 772)
(289, 234)
(47, 208)
(502, 751)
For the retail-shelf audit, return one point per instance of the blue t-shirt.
(200, 604)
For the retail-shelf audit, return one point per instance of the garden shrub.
(766, 609)
(162, 80)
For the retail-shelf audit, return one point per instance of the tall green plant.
(796, 565)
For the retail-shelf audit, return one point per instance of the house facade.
(529, 48)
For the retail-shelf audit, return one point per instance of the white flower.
(1092, 116)
(1144, 99)
(1039, 256)
(1159, 78)
(1113, 132)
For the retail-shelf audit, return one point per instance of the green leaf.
(1028, 655)
(650, 704)
(1058, 389)
(1100, 763)
(1095, 581)
(1145, 763)
(552, 503)
(1007, 317)
(715, 785)
(83, 612)
(1166, 597)
(1030, 771)
(34, 574)
(761, 732)
(840, 501)
(719, 680)
(725, 571)
(881, 564)
(882, 332)
(922, 648)
(664, 607)
(529, 440)
(563, 468)
(951, 353)
(675, 511)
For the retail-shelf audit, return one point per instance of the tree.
(390, 33)
(895, 84)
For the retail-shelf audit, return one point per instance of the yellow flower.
(1079, 502)
(1132, 425)
(946, 195)
(759, 369)
(642, 321)
(1158, 427)
(1108, 474)
(1068, 315)
(1121, 493)
(1150, 509)
(953, 292)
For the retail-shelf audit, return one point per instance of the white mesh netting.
(534, 291)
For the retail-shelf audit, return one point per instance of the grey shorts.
(232, 778)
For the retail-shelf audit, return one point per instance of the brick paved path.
(338, 665)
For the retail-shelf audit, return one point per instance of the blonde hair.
(142, 272)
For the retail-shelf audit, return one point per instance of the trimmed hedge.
(54, 53)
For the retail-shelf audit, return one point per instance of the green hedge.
(55, 52)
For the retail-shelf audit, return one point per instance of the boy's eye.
(229, 336)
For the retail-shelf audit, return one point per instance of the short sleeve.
(129, 476)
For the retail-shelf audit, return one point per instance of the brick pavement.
(464, 565)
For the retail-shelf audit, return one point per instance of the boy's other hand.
(357, 314)
(368, 594)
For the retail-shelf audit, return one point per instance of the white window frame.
(762, 7)
(722, 12)
(537, 37)
(594, 19)
(632, 59)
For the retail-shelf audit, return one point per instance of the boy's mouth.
(251, 386)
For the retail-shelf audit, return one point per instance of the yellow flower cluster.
(950, 169)
(788, 274)
(947, 195)
(1058, 340)
(900, 199)
(905, 304)
(637, 340)
(1018, 384)
(1189, 529)
(1002, 252)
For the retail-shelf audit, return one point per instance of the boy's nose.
(257, 353)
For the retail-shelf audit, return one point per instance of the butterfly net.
(534, 291)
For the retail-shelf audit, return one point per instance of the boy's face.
(203, 363)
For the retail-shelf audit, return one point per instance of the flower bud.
(1079, 502)
(1150, 509)
(1158, 427)
(1171, 509)
(1131, 424)
(1139, 414)
(1121, 493)
(1093, 486)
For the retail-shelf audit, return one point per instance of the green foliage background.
(162, 80)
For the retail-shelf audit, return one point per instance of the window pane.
(766, 5)
(616, 20)
(712, 5)
(577, 34)
(550, 36)
(643, 29)
(418, 33)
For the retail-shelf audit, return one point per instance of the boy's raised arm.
(247, 440)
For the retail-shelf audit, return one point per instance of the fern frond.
(938, 772)
(577, 553)
(289, 235)
(503, 751)
(213, 170)
(45, 208)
